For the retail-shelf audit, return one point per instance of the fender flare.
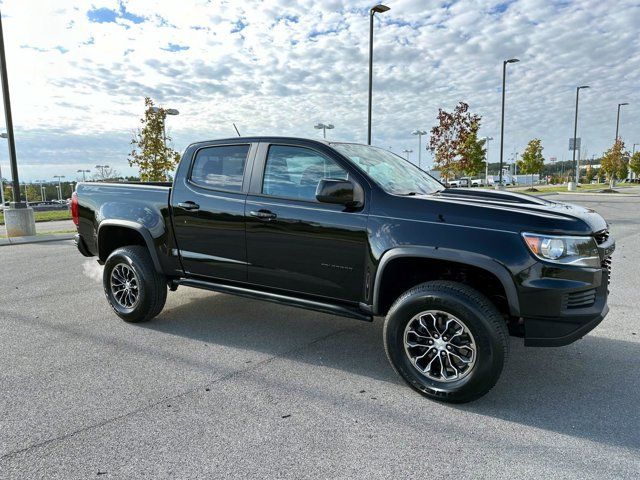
(458, 256)
(138, 227)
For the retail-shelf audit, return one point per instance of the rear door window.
(220, 167)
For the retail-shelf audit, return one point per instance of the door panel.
(208, 213)
(294, 242)
(311, 250)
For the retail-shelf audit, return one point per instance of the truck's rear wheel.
(447, 341)
(134, 289)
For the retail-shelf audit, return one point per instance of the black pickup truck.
(356, 231)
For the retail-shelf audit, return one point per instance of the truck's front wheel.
(447, 340)
(134, 289)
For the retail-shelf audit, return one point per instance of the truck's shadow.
(589, 389)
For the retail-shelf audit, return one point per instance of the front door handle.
(263, 214)
(189, 205)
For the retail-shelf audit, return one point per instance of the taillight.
(74, 208)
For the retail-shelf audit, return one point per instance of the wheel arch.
(113, 234)
(475, 260)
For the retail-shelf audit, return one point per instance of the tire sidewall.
(144, 300)
(489, 350)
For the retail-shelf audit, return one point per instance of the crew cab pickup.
(356, 231)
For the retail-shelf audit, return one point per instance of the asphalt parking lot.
(226, 387)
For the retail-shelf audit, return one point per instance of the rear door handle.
(189, 205)
(263, 214)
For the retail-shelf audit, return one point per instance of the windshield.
(393, 173)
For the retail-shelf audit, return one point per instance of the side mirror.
(341, 192)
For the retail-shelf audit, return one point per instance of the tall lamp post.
(377, 9)
(2, 135)
(504, 80)
(618, 119)
(575, 134)
(84, 179)
(324, 127)
(167, 111)
(486, 160)
(419, 133)
(59, 177)
(407, 151)
(19, 219)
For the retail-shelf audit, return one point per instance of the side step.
(307, 304)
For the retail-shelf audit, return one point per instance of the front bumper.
(561, 304)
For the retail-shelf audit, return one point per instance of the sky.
(79, 72)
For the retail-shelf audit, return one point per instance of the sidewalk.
(45, 232)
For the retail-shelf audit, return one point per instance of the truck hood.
(525, 210)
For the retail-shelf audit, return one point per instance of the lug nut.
(445, 338)
(430, 342)
(443, 353)
(448, 347)
(435, 336)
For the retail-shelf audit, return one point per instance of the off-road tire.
(151, 285)
(483, 320)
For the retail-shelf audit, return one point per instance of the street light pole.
(59, 177)
(167, 111)
(419, 133)
(486, 160)
(377, 9)
(504, 81)
(2, 135)
(575, 134)
(618, 119)
(324, 127)
(407, 151)
(17, 201)
(84, 179)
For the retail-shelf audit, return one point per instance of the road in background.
(221, 387)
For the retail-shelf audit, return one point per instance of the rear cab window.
(220, 167)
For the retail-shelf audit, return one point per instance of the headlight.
(578, 251)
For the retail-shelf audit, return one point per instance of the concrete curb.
(612, 195)
(35, 239)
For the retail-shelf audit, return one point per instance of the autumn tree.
(150, 153)
(634, 163)
(448, 137)
(472, 153)
(613, 161)
(532, 160)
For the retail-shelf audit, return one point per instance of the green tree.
(532, 160)
(591, 174)
(634, 163)
(613, 160)
(33, 193)
(150, 153)
(472, 153)
(448, 137)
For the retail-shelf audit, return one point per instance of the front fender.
(437, 253)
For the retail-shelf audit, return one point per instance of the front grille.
(601, 236)
(583, 299)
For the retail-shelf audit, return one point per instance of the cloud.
(79, 72)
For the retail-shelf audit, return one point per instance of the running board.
(276, 298)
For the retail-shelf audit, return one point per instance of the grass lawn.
(542, 189)
(47, 216)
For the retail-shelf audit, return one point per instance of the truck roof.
(271, 138)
